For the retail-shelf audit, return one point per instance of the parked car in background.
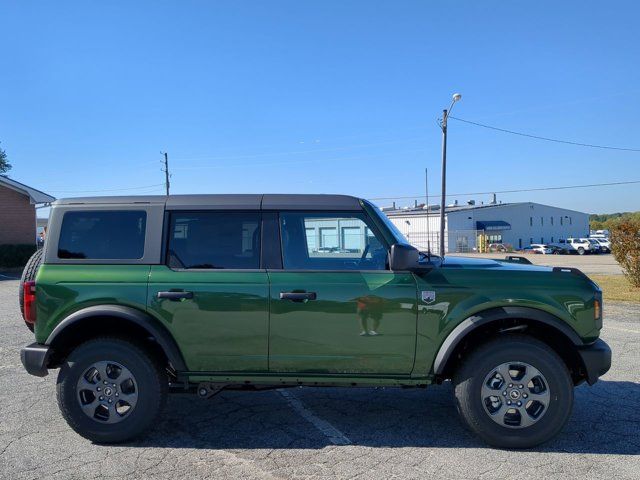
(542, 248)
(497, 247)
(578, 245)
(605, 244)
(599, 234)
(558, 249)
(595, 245)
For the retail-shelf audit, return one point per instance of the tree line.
(606, 221)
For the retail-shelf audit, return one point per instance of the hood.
(489, 263)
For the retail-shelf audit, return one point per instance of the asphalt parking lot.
(314, 433)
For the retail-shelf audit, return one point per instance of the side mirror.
(403, 257)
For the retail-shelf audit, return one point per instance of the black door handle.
(175, 296)
(298, 296)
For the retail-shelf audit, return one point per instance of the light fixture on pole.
(443, 125)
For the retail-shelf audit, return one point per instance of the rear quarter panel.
(64, 289)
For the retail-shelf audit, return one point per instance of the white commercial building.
(515, 224)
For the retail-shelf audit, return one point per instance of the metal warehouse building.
(515, 224)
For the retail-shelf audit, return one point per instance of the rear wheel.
(110, 390)
(581, 251)
(514, 392)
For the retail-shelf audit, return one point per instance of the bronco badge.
(428, 296)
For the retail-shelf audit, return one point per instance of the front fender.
(501, 313)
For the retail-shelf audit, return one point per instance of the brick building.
(18, 211)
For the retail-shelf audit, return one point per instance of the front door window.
(313, 241)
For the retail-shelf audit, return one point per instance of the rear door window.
(214, 240)
(102, 235)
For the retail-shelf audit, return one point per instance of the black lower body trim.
(596, 359)
(35, 357)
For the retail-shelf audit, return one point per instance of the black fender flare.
(500, 313)
(142, 319)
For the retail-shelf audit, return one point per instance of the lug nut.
(525, 395)
(519, 403)
(508, 402)
(101, 398)
(105, 382)
(504, 393)
(117, 395)
(520, 386)
(98, 389)
(109, 400)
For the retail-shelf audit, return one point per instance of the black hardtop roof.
(268, 201)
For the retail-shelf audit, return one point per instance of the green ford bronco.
(133, 297)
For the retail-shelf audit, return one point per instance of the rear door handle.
(298, 296)
(175, 296)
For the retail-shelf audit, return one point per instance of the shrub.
(625, 246)
(14, 256)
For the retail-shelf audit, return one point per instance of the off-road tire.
(29, 275)
(152, 385)
(513, 348)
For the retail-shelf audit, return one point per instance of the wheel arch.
(486, 324)
(113, 319)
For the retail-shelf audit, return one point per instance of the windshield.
(400, 238)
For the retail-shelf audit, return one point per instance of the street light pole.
(443, 126)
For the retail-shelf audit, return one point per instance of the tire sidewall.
(151, 394)
(559, 383)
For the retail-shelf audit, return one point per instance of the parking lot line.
(334, 435)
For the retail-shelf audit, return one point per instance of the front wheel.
(110, 390)
(581, 251)
(514, 392)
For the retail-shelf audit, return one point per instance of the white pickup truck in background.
(579, 245)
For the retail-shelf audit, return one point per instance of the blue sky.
(322, 97)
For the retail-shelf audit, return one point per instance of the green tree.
(625, 246)
(5, 166)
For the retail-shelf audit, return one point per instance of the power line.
(547, 139)
(298, 161)
(110, 189)
(566, 187)
(301, 152)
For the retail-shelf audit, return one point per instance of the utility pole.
(166, 172)
(443, 188)
(426, 204)
(443, 203)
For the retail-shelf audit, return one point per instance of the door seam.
(268, 321)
